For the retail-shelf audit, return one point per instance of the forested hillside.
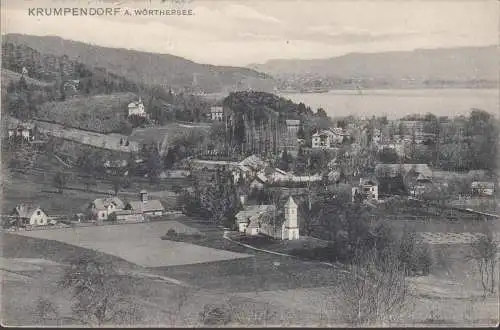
(47, 77)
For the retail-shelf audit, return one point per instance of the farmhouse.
(145, 206)
(29, 215)
(479, 188)
(250, 216)
(101, 208)
(136, 109)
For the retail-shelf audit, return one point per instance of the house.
(217, 113)
(250, 216)
(279, 222)
(29, 215)
(327, 138)
(101, 208)
(145, 206)
(241, 172)
(22, 131)
(254, 162)
(481, 188)
(258, 182)
(136, 109)
(367, 188)
(421, 184)
(71, 87)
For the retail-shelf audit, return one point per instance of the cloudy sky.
(239, 32)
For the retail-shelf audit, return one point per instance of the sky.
(240, 32)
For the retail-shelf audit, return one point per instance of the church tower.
(291, 230)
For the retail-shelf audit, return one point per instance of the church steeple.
(291, 213)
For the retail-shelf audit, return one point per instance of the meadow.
(140, 243)
(100, 113)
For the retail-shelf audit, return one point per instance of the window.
(38, 212)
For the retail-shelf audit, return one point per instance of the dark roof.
(149, 206)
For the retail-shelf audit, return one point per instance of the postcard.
(250, 163)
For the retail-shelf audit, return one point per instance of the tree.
(112, 217)
(99, 293)
(284, 163)
(154, 163)
(388, 155)
(484, 253)
(218, 200)
(375, 290)
(117, 182)
(300, 162)
(321, 113)
(60, 181)
(46, 310)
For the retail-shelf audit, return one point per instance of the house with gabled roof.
(480, 188)
(145, 206)
(101, 208)
(24, 214)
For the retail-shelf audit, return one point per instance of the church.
(277, 221)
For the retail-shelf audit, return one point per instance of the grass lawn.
(138, 243)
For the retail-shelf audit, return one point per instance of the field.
(101, 113)
(173, 131)
(138, 243)
(11, 76)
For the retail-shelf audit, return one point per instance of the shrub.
(215, 314)
(171, 233)
(112, 217)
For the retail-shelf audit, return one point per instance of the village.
(259, 184)
(365, 155)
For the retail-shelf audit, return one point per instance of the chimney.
(143, 196)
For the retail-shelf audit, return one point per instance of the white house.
(101, 208)
(483, 188)
(136, 109)
(327, 138)
(367, 187)
(29, 215)
(216, 113)
(22, 131)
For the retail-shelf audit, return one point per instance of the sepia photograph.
(250, 163)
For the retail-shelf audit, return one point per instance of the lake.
(398, 103)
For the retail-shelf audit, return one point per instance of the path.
(225, 236)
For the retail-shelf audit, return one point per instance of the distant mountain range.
(451, 67)
(148, 68)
